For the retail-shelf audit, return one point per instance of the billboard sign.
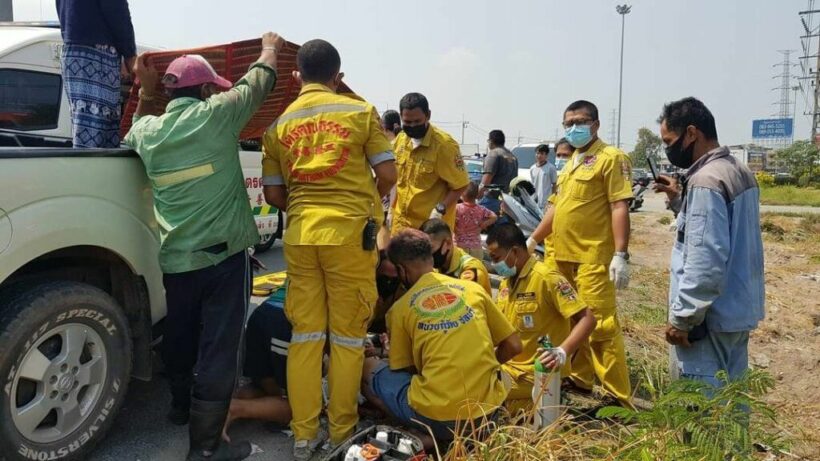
(772, 128)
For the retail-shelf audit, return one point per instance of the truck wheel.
(266, 241)
(65, 360)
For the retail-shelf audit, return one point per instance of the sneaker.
(303, 449)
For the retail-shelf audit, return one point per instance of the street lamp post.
(623, 10)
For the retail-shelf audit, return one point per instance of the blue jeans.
(392, 387)
(715, 352)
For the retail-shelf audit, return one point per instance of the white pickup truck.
(81, 295)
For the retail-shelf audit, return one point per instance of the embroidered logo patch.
(625, 170)
(437, 302)
(589, 161)
(566, 290)
(469, 274)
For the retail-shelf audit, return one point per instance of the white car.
(81, 293)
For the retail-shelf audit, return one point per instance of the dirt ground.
(787, 342)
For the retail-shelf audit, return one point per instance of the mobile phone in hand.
(653, 168)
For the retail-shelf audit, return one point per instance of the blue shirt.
(97, 22)
(717, 260)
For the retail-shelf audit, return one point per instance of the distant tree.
(649, 145)
(801, 160)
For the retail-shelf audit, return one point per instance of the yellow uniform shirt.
(426, 174)
(465, 267)
(447, 329)
(321, 148)
(540, 301)
(582, 228)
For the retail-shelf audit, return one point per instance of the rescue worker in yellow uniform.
(538, 301)
(431, 171)
(450, 260)
(589, 224)
(317, 166)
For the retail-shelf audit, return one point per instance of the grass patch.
(665, 220)
(689, 421)
(790, 195)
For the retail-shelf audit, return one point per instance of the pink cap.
(193, 70)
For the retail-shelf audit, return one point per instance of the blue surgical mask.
(559, 163)
(578, 135)
(501, 268)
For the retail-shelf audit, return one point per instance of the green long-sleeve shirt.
(191, 156)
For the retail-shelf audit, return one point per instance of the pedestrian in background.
(500, 166)
(98, 49)
(471, 219)
(543, 175)
(716, 290)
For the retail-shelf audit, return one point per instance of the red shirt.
(468, 224)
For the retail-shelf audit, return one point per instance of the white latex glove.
(531, 244)
(553, 358)
(436, 215)
(619, 272)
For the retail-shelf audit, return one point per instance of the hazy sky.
(515, 65)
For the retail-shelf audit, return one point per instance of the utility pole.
(810, 33)
(6, 11)
(612, 124)
(464, 124)
(623, 10)
(784, 102)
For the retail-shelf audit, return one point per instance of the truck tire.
(266, 241)
(65, 361)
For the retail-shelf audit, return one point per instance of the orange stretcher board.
(232, 62)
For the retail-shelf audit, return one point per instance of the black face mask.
(386, 286)
(417, 131)
(678, 156)
(440, 259)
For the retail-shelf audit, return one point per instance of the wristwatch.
(441, 208)
(623, 254)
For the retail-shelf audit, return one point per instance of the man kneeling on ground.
(447, 343)
(451, 260)
(538, 301)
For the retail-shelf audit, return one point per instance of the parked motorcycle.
(519, 206)
(639, 188)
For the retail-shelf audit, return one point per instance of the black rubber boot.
(180, 400)
(205, 429)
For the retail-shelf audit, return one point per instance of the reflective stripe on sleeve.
(381, 158)
(275, 180)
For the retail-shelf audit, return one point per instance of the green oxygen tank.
(546, 389)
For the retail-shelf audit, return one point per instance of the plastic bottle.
(353, 453)
(546, 390)
(406, 447)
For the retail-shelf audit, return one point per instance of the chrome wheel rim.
(58, 383)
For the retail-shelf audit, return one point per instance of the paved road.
(655, 202)
(141, 433)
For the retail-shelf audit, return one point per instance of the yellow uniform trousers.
(603, 355)
(331, 295)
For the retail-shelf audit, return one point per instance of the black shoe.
(179, 415)
(180, 399)
(205, 429)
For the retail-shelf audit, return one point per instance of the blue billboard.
(772, 128)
